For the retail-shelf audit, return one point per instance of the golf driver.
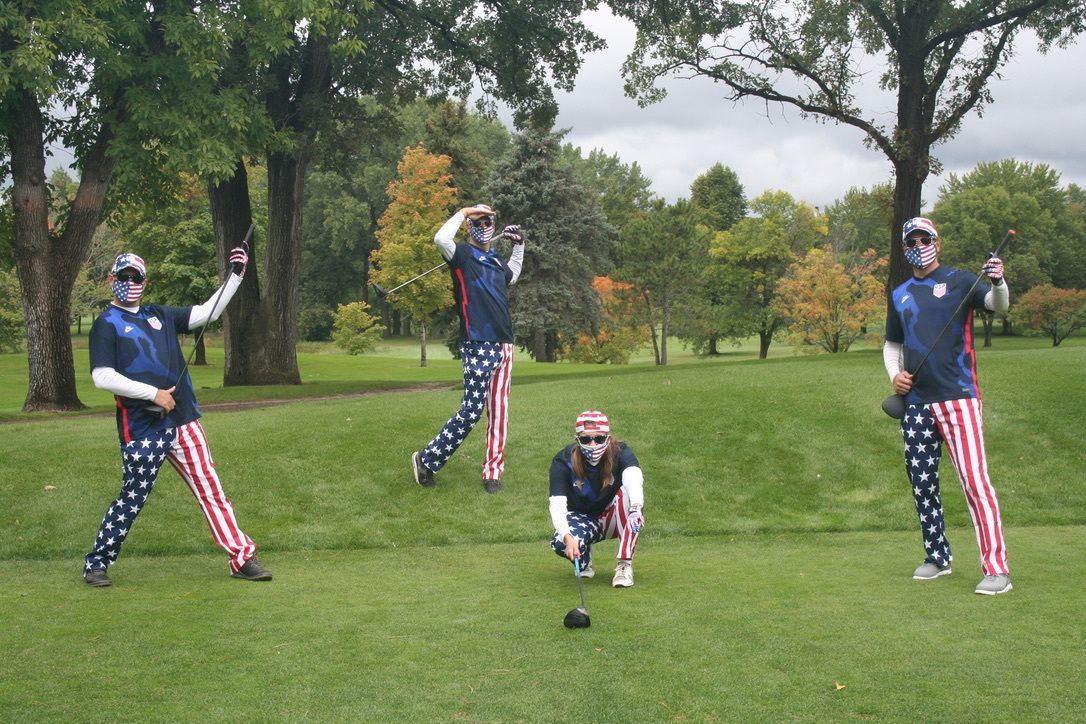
(381, 291)
(159, 411)
(578, 617)
(894, 405)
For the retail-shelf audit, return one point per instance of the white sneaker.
(588, 572)
(623, 575)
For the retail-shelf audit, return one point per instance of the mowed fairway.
(772, 577)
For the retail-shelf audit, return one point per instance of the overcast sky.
(1038, 114)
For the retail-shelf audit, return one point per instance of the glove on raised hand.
(239, 258)
(636, 521)
(512, 232)
(993, 268)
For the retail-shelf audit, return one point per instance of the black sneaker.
(253, 571)
(97, 577)
(423, 475)
(492, 485)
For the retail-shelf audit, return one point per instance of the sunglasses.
(130, 277)
(925, 240)
(588, 439)
(486, 222)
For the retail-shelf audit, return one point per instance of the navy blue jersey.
(921, 309)
(591, 497)
(480, 283)
(143, 346)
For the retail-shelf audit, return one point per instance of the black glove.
(239, 258)
(512, 232)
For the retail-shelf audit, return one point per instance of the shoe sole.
(98, 584)
(251, 578)
(945, 572)
(621, 585)
(416, 463)
(994, 593)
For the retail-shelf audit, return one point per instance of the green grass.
(775, 563)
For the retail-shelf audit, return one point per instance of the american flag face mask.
(595, 427)
(129, 278)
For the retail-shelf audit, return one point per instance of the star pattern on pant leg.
(480, 361)
(922, 456)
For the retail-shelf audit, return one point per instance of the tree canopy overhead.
(937, 57)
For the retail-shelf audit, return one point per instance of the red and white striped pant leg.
(497, 416)
(615, 524)
(962, 427)
(191, 456)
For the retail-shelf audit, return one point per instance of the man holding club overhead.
(480, 284)
(942, 398)
(134, 353)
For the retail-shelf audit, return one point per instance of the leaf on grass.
(50, 487)
(838, 686)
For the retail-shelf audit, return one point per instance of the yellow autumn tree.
(422, 199)
(828, 304)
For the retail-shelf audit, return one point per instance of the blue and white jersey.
(921, 309)
(142, 346)
(480, 284)
(591, 497)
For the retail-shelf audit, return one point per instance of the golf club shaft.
(420, 276)
(210, 317)
(580, 583)
(966, 298)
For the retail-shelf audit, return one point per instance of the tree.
(12, 329)
(754, 254)
(718, 193)
(617, 339)
(306, 63)
(827, 303)
(621, 189)
(355, 330)
(567, 242)
(663, 252)
(861, 219)
(1052, 311)
(422, 197)
(938, 57)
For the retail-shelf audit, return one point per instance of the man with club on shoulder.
(480, 285)
(135, 354)
(943, 405)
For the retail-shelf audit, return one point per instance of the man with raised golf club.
(942, 397)
(480, 284)
(596, 493)
(134, 353)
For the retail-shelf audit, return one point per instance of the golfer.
(943, 405)
(480, 282)
(134, 353)
(597, 492)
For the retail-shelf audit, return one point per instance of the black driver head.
(894, 406)
(577, 618)
(380, 290)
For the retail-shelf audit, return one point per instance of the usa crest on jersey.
(939, 291)
(155, 323)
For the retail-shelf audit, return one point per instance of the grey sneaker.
(623, 575)
(588, 571)
(97, 577)
(994, 585)
(492, 485)
(251, 570)
(423, 475)
(927, 571)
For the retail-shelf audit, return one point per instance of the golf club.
(578, 617)
(380, 290)
(159, 411)
(894, 405)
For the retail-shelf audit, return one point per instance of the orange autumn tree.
(827, 303)
(1052, 311)
(618, 337)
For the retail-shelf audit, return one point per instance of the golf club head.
(159, 412)
(577, 618)
(894, 406)
(380, 290)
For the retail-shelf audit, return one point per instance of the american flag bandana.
(592, 422)
(128, 292)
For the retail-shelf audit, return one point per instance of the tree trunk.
(539, 344)
(1008, 328)
(551, 343)
(988, 318)
(713, 349)
(665, 328)
(422, 344)
(652, 330)
(48, 265)
(200, 358)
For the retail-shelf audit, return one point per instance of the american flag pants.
(589, 529)
(488, 368)
(958, 424)
(187, 450)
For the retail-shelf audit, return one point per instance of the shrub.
(355, 330)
